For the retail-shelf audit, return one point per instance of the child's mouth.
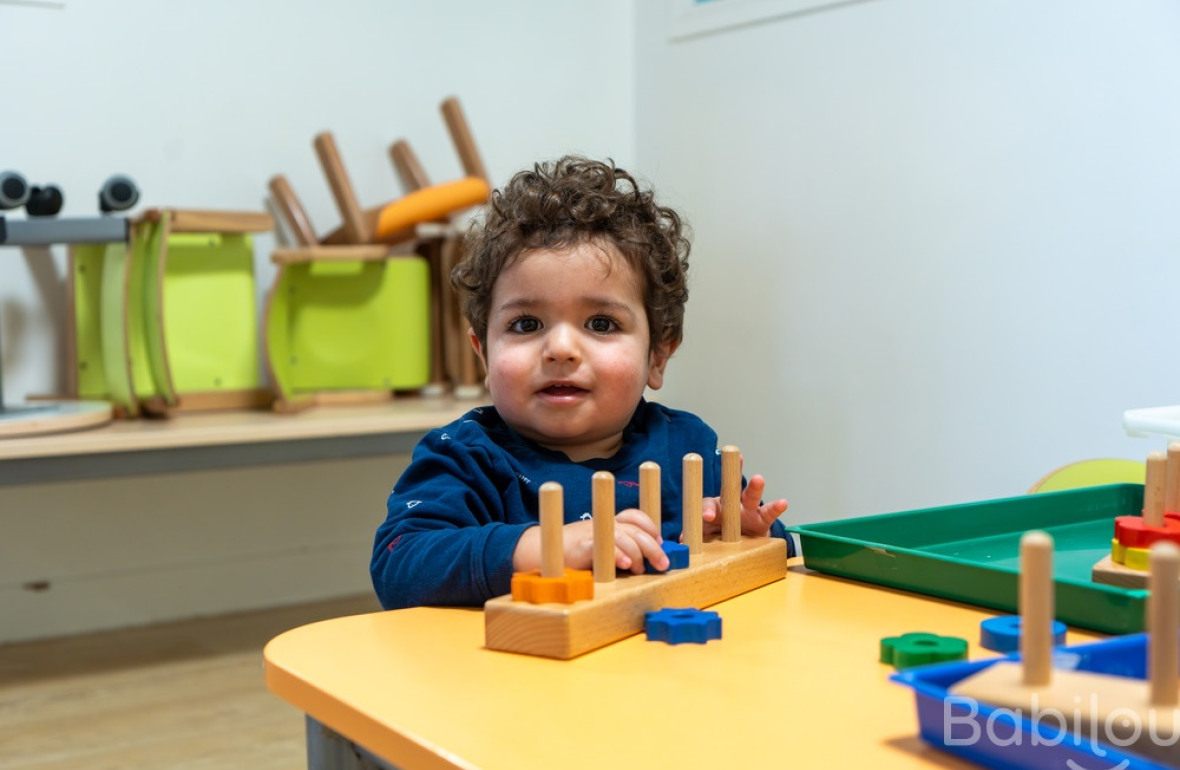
(562, 390)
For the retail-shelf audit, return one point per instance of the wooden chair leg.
(432, 250)
(409, 168)
(464, 366)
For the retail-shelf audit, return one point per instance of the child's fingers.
(752, 494)
(626, 553)
(639, 545)
(757, 521)
(710, 516)
(638, 518)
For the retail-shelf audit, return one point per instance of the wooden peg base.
(719, 572)
(1101, 707)
(1110, 572)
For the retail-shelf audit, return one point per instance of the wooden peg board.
(722, 570)
(1110, 572)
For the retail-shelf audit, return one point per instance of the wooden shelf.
(400, 416)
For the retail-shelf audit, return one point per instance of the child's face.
(568, 348)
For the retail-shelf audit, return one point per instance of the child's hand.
(636, 538)
(756, 519)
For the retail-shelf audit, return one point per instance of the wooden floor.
(186, 695)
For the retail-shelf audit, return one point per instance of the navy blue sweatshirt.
(471, 489)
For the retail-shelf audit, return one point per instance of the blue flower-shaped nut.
(677, 558)
(1002, 633)
(676, 626)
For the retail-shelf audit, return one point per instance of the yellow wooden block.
(721, 571)
(1131, 558)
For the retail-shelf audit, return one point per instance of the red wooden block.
(1131, 532)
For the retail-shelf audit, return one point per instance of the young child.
(574, 286)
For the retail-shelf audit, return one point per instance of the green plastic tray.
(971, 552)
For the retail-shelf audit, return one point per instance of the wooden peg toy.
(731, 494)
(552, 518)
(649, 492)
(1127, 564)
(1153, 489)
(1140, 716)
(1036, 607)
(616, 610)
(602, 493)
(692, 486)
(1172, 479)
(1163, 617)
(553, 582)
(649, 503)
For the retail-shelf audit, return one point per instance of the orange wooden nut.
(574, 585)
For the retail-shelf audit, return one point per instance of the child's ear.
(659, 359)
(477, 347)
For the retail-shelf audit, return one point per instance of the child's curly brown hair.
(566, 202)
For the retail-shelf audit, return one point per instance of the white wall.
(202, 102)
(944, 233)
(937, 243)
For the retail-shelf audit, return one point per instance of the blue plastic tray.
(1018, 742)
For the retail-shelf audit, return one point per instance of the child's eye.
(600, 324)
(524, 325)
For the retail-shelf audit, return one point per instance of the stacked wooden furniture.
(166, 322)
(362, 312)
(454, 359)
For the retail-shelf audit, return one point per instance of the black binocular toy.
(118, 193)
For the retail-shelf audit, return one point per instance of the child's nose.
(561, 344)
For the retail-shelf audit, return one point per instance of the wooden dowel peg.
(693, 489)
(1036, 607)
(602, 491)
(731, 494)
(552, 521)
(1153, 489)
(1172, 479)
(1163, 615)
(649, 491)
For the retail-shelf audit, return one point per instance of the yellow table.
(793, 682)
